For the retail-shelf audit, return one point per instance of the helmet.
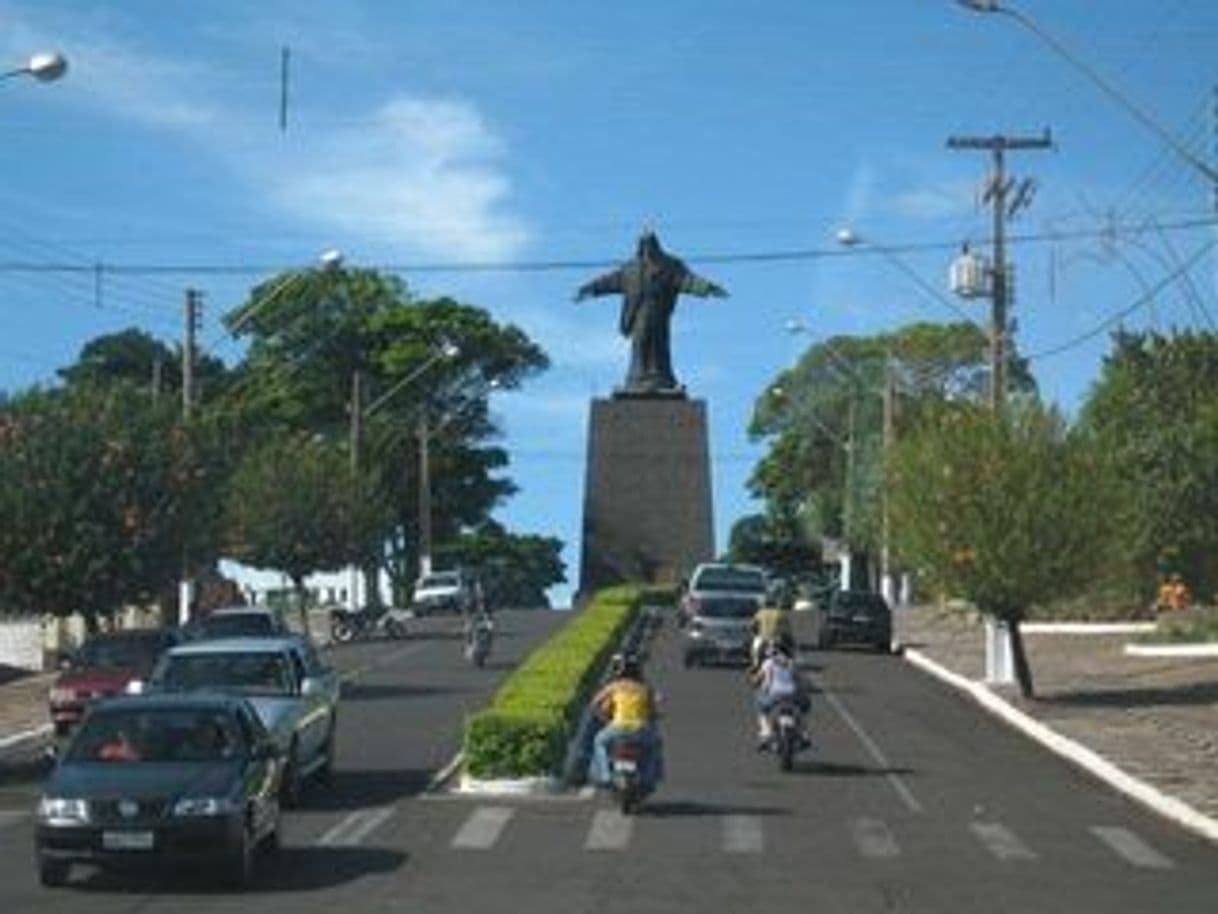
(626, 665)
(774, 649)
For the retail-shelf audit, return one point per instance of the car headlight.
(62, 696)
(203, 806)
(63, 810)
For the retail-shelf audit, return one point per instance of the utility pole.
(886, 583)
(848, 500)
(357, 422)
(1005, 199)
(424, 494)
(193, 314)
(157, 368)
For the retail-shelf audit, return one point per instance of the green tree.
(130, 357)
(516, 570)
(1004, 511)
(824, 418)
(291, 507)
(97, 491)
(1155, 411)
(779, 544)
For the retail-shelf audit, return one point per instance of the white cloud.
(938, 201)
(423, 173)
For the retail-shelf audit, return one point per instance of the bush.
(524, 731)
(1187, 626)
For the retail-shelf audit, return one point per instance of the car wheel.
(883, 647)
(240, 867)
(52, 873)
(291, 786)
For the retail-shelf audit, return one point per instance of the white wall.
(21, 642)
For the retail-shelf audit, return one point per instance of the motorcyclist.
(628, 706)
(778, 680)
(771, 624)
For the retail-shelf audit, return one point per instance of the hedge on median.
(525, 730)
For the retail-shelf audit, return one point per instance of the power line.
(542, 266)
(1137, 303)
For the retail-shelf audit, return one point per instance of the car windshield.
(726, 608)
(730, 579)
(136, 652)
(236, 625)
(250, 673)
(157, 735)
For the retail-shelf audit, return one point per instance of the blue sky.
(426, 133)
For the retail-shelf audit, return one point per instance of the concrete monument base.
(647, 492)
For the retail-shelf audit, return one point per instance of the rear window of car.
(250, 673)
(862, 602)
(729, 579)
(440, 580)
(727, 608)
(236, 625)
(122, 652)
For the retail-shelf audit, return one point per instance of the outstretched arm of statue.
(693, 284)
(603, 285)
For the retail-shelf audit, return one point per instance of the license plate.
(625, 764)
(128, 840)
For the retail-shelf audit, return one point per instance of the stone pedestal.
(647, 492)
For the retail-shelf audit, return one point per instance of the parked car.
(294, 694)
(455, 591)
(718, 579)
(720, 629)
(855, 617)
(240, 622)
(102, 667)
(168, 779)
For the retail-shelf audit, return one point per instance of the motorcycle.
(478, 639)
(625, 773)
(347, 625)
(786, 733)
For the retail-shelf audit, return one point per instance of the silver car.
(717, 611)
(295, 695)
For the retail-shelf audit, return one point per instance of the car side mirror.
(312, 685)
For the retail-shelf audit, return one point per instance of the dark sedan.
(855, 617)
(162, 780)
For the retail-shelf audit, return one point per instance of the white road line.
(336, 832)
(898, 784)
(874, 840)
(743, 835)
(610, 831)
(483, 827)
(1131, 847)
(1001, 842)
(369, 821)
(22, 736)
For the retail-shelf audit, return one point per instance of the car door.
(261, 777)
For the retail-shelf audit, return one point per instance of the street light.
(45, 67)
(1144, 117)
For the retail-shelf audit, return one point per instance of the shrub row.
(525, 730)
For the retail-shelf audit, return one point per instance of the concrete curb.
(1138, 790)
(23, 736)
(1086, 628)
(1171, 650)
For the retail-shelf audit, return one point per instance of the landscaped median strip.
(518, 743)
(1165, 805)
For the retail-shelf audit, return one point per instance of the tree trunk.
(298, 586)
(1023, 673)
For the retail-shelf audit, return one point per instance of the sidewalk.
(23, 704)
(1154, 717)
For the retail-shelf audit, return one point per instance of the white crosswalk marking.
(743, 835)
(1131, 847)
(1002, 842)
(610, 831)
(483, 828)
(873, 839)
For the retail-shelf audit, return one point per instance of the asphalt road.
(912, 800)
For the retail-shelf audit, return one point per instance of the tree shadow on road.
(1199, 693)
(846, 769)
(295, 869)
(693, 808)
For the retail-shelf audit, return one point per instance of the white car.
(452, 591)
